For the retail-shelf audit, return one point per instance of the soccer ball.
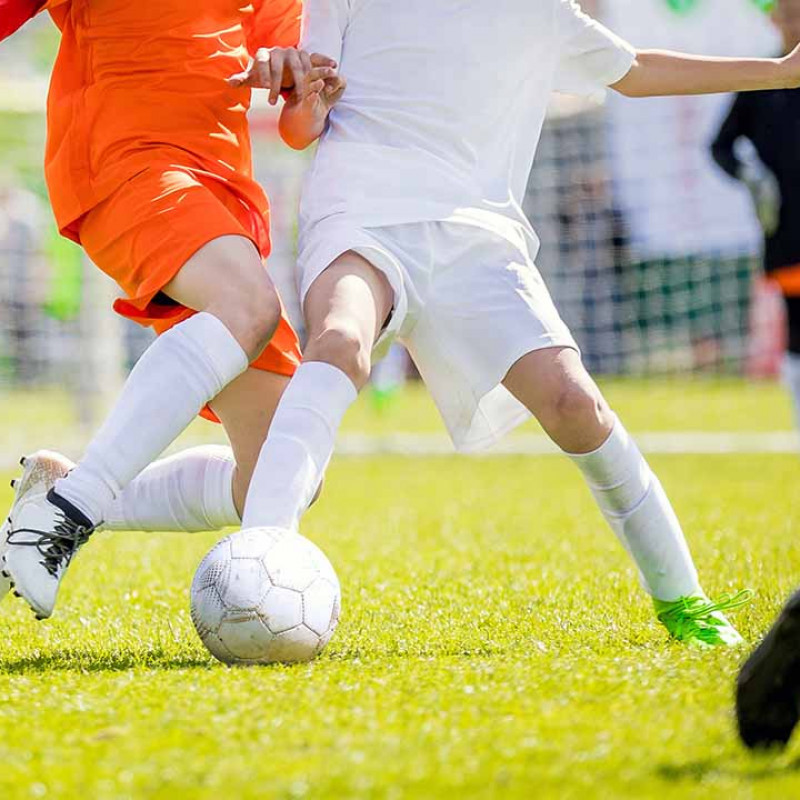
(265, 595)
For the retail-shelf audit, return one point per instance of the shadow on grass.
(78, 660)
(751, 768)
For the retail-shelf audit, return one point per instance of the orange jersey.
(141, 81)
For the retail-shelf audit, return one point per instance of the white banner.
(674, 197)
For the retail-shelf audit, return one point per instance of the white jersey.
(445, 104)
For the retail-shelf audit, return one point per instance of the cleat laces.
(694, 616)
(57, 547)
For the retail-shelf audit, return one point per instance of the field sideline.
(701, 415)
(494, 642)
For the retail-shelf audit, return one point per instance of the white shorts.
(468, 304)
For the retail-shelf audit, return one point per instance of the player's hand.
(283, 69)
(791, 65)
(319, 96)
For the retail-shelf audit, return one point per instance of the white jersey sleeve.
(591, 57)
(324, 25)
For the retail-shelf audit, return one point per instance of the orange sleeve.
(274, 23)
(59, 9)
(15, 13)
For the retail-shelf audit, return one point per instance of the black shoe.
(768, 688)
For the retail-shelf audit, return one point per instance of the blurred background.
(650, 250)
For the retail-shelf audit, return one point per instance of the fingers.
(287, 68)
(318, 60)
(296, 67)
(277, 61)
(321, 74)
(241, 78)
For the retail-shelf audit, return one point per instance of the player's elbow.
(632, 83)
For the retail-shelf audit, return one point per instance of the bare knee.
(345, 348)
(227, 278)
(251, 310)
(576, 416)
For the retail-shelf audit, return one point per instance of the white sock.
(191, 491)
(791, 376)
(180, 372)
(634, 503)
(299, 446)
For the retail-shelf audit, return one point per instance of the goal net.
(650, 252)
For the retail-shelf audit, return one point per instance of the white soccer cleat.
(40, 538)
(39, 475)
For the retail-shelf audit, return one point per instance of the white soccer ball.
(265, 595)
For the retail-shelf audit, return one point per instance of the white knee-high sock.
(299, 446)
(181, 371)
(791, 376)
(634, 503)
(191, 491)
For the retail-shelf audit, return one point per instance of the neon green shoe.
(384, 399)
(701, 622)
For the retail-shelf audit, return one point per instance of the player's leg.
(203, 488)
(768, 688)
(179, 374)
(791, 368)
(345, 309)
(183, 369)
(554, 385)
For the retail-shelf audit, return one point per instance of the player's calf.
(554, 385)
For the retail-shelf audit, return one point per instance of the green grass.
(493, 644)
(720, 405)
(668, 404)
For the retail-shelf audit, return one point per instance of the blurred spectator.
(758, 145)
(22, 280)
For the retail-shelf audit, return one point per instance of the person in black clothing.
(770, 121)
(768, 688)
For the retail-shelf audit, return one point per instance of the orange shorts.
(146, 231)
(788, 278)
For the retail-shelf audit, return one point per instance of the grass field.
(493, 642)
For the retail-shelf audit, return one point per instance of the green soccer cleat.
(700, 622)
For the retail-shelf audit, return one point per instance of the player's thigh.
(246, 408)
(226, 277)
(346, 308)
(557, 389)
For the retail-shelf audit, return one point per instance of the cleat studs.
(39, 617)
(17, 594)
(13, 483)
(22, 461)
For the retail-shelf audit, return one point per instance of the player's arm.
(273, 31)
(660, 72)
(761, 182)
(303, 120)
(305, 115)
(15, 13)
(733, 128)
